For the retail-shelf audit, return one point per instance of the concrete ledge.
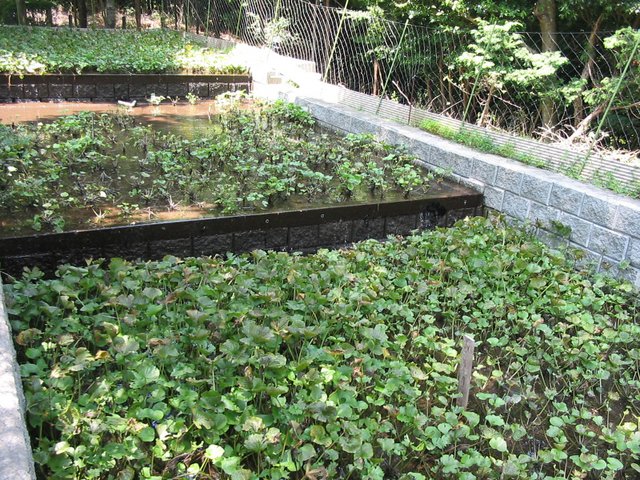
(16, 462)
(603, 224)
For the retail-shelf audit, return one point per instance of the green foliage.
(573, 15)
(375, 33)
(451, 15)
(243, 161)
(274, 33)
(609, 181)
(156, 99)
(41, 50)
(192, 98)
(333, 365)
(621, 44)
(499, 58)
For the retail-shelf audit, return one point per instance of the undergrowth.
(340, 364)
(481, 142)
(485, 143)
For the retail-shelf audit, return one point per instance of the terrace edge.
(109, 87)
(604, 225)
(289, 230)
(16, 461)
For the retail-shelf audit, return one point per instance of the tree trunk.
(110, 16)
(587, 72)
(584, 125)
(545, 11)
(376, 70)
(216, 19)
(466, 94)
(138, 9)
(49, 13)
(163, 21)
(82, 13)
(21, 12)
(487, 107)
(185, 13)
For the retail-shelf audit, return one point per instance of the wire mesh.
(509, 92)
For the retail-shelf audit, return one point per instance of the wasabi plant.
(340, 364)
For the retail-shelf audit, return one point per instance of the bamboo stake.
(335, 42)
(239, 17)
(393, 63)
(206, 31)
(610, 103)
(465, 369)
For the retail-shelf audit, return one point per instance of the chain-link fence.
(493, 76)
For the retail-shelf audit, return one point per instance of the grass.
(481, 142)
(485, 143)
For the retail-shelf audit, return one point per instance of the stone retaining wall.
(114, 87)
(564, 212)
(16, 462)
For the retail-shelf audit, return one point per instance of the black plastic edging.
(169, 230)
(112, 87)
(8, 80)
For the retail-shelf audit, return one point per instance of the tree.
(21, 12)
(373, 40)
(499, 59)
(619, 90)
(82, 13)
(545, 12)
(110, 14)
(138, 13)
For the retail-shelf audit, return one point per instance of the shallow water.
(163, 113)
(182, 119)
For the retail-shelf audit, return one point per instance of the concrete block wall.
(16, 462)
(606, 226)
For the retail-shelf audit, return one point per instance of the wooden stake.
(465, 369)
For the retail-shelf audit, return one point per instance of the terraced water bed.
(29, 50)
(340, 364)
(89, 169)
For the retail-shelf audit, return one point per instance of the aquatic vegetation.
(241, 161)
(340, 364)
